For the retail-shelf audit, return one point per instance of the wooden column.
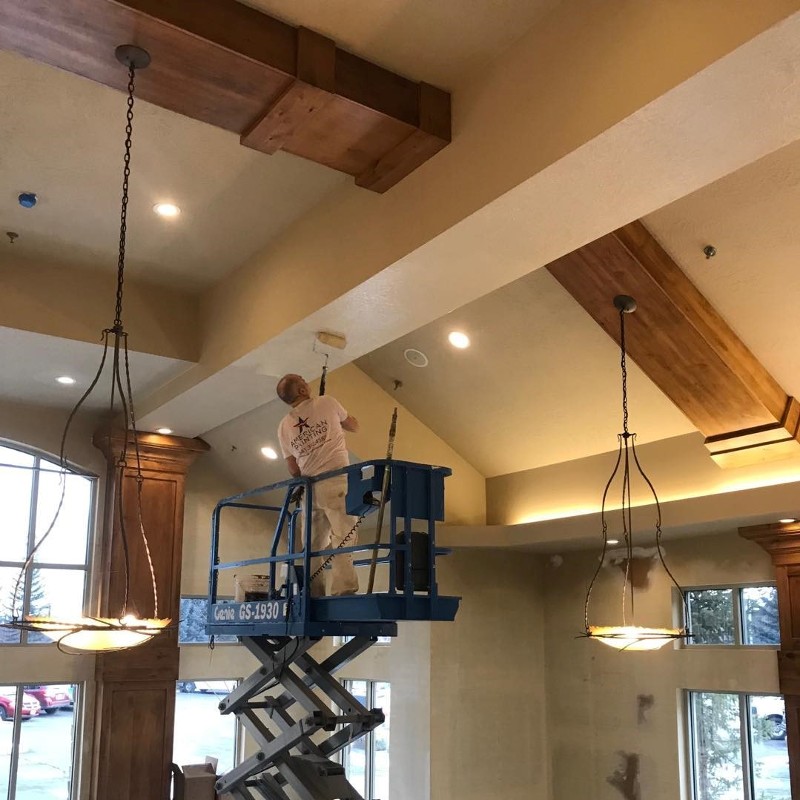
(135, 689)
(782, 542)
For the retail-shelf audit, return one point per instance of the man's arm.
(291, 465)
(350, 424)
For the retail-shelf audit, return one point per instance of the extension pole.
(384, 495)
(324, 376)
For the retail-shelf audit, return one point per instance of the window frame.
(40, 456)
(738, 616)
(369, 738)
(77, 736)
(745, 734)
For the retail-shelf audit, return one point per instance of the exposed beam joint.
(277, 86)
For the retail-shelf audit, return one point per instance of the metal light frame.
(628, 635)
(89, 633)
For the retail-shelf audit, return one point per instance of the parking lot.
(45, 758)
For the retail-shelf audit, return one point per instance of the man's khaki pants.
(329, 525)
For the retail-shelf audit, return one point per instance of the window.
(192, 627)
(200, 730)
(31, 489)
(366, 761)
(733, 615)
(37, 741)
(738, 747)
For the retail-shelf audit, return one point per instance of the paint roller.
(327, 339)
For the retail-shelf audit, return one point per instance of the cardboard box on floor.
(196, 781)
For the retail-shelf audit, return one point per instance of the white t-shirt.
(312, 432)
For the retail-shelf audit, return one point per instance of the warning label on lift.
(255, 611)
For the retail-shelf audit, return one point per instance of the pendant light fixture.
(628, 635)
(89, 633)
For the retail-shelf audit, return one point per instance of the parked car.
(207, 687)
(30, 706)
(51, 698)
(768, 711)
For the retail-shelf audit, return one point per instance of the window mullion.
(738, 621)
(16, 723)
(370, 745)
(747, 766)
(28, 583)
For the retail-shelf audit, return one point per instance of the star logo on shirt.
(301, 424)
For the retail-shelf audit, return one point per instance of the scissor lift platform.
(281, 624)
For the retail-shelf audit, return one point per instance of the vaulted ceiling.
(268, 249)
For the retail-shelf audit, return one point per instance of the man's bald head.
(291, 388)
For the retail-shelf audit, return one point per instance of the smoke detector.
(415, 357)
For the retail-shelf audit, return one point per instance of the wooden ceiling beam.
(684, 346)
(221, 62)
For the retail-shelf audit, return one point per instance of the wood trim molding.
(684, 346)
(221, 62)
(782, 542)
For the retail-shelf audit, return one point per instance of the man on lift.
(312, 440)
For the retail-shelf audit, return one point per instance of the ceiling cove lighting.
(65, 380)
(458, 339)
(90, 633)
(269, 452)
(787, 521)
(628, 635)
(168, 210)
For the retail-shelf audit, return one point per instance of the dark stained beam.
(684, 346)
(279, 87)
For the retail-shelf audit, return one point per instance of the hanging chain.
(123, 217)
(624, 366)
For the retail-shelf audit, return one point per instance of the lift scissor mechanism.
(294, 708)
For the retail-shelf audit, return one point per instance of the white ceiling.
(519, 397)
(437, 42)
(63, 137)
(45, 358)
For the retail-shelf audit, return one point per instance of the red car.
(51, 698)
(30, 706)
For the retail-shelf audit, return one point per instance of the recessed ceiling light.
(787, 521)
(166, 209)
(458, 339)
(66, 380)
(268, 452)
(164, 431)
(415, 357)
(612, 541)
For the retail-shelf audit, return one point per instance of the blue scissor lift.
(299, 729)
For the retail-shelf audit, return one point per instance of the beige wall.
(488, 736)
(244, 534)
(465, 490)
(76, 305)
(592, 711)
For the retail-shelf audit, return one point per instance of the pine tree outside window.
(733, 616)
